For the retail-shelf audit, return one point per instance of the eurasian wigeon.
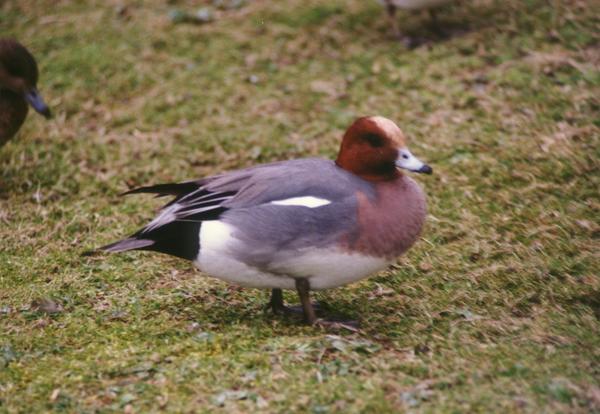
(392, 5)
(306, 224)
(18, 86)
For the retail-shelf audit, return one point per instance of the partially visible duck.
(306, 224)
(18, 87)
(393, 5)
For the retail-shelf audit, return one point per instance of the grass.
(497, 308)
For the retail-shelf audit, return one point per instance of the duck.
(18, 87)
(429, 5)
(305, 224)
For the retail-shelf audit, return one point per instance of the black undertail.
(180, 237)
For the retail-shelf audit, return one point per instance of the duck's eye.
(405, 156)
(375, 140)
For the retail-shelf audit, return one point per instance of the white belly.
(417, 4)
(324, 268)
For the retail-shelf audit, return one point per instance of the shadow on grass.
(451, 21)
(221, 309)
(591, 300)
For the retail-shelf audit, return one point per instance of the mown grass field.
(497, 308)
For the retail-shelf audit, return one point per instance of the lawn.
(496, 308)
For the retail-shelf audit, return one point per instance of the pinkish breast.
(390, 224)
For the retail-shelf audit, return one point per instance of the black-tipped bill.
(425, 169)
(409, 162)
(36, 101)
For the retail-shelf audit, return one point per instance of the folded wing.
(256, 200)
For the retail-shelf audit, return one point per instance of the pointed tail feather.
(121, 246)
(178, 238)
(131, 243)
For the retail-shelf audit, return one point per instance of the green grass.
(497, 308)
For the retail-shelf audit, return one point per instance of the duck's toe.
(281, 309)
(412, 42)
(297, 309)
(335, 325)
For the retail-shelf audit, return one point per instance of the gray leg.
(276, 302)
(434, 23)
(303, 288)
(307, 308)
(391, 11)
(277, 305)
(433, 16)
(408, 41)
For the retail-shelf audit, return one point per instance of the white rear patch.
(307, 201)
(214, 235)
(324, 267)
(216, 259)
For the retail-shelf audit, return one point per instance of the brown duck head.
(19, 75)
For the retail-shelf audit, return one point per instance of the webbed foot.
(338, 325)
(277, 305)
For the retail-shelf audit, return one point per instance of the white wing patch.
(307, 201)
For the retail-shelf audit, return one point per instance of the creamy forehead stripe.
(306, 201)
(389, 127)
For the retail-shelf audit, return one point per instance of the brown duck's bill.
(36, 101)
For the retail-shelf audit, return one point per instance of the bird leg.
(276, 301)
(409, 41)
(434, 23)
(303, 288)
(277, 306)
(391, 11)
(433, 15)
(307, 308)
